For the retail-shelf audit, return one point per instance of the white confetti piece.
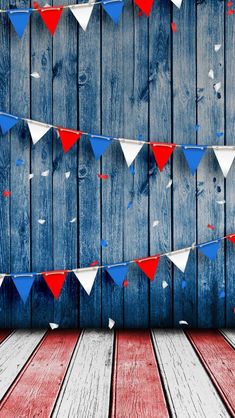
(67, 174)
(221, 202)
(217, 86)
(45, 173)
(73, 220)
(183, 322)
(217, 47)
(211, 74)
(155, 223)
(53, 325)
(169, 184)
(31, 176)
(35, 74)
(111, 323)
(164, 284)
(41, 221)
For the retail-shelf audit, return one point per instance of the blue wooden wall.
(131, 80)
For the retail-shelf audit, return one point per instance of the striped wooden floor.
(99, 373)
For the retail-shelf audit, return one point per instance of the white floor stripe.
(229, 334)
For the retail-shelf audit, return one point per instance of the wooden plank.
(160, 130)
(89, 89)
(137, 389)
(86, 388)
(14, 353)
(37, 387)
(41, 160)
(210, 181)
(229, 334)
(189, 390)
(65, 240)
(184, 184)
(20, 191)
(218, 357)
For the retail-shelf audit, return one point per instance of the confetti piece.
(197, 127)
(111, 323)
(41, 221)
(211, 74)
(217, 47)
(31, 176)
(164, 284)
(184, 284)
(132, 170)
(173, 27)
(217, 86)
(6, 193)
(45, 173)
(234, 310)
(129, 205)
(219, 134)
(229, 4)
(209, 226)
(182, 322)
(221, 202)
(140, 12)
(35, 74)
(103, 176)
(67, 174)
(19, 162)
(222, 294)
(155, 223)
(125, 283)
(73, 220)
(53, 325)
(103, 243)
(169, 184)
(94, 263)
(230, 12)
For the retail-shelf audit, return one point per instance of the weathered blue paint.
(136, 78)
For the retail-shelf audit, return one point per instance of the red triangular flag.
(68, 138)
(145, 5)
(231, 238)
(148, 265)
(50, 16)
(55, 281)
(162, 153)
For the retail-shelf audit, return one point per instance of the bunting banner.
(162, 151)
(82, 13)
(117, 272)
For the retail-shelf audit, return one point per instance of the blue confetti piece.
(19, 162)
(129, 205)
(197, 127)
(132, 170)
(103, 243)
(219, 134)
(222, 294)
(184, 284)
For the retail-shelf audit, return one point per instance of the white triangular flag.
(180, 258)
(82, 12)
(37, 130)
(53, 325)
(130, 150)
(86, 277)
(225, 157)
(1, 279)
(111, 323)
(177, 3)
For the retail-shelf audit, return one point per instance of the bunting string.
(162, 151)
(86, 276)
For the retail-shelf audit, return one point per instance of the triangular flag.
(145, 6)
(231, 238)
(82, 12)
(37, 130)
(7, 122)
(148, 265)
(209, 249)
(68, 138)
(55, 281)
(99, 144)
(19, 19)
(130, 150)
(180, 258)
(86, 277)
(113, 8)
(1, 279)
(162, 153)
(23, 283)
(193, 155)
(225, 157)
(51, 16)
(177, 3)
(118, 272)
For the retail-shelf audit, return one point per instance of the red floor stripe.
(4, 333)
(137, 389)
(218, 358)
(35, 391)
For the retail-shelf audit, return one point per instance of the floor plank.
(190, 391)
(86, 390)
(219, 359)
(229, 334)
(137, 389)
(35, 391)
(14, 353)
(4, 333)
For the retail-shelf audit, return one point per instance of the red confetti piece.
(229, 4)
(125, 283)
(6, 193)
(94, 263)
(234, 310)
(173, 27)
(231, 12)
(140, 13)
(209, 226)
(103, 176)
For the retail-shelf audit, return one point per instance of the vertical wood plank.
(89, 89)
(160, 130)
(210, 29)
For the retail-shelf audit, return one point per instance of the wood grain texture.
(14, 353)
(189, 391)
(36, 389)
(218, 357)
(137, 389)
(86, 388)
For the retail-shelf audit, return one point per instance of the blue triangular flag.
(209, 249)
(99, 144)
(7, 122)
(113, 8)
(23, 283)
(19, 19)
(118, 272)
(193, 155)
